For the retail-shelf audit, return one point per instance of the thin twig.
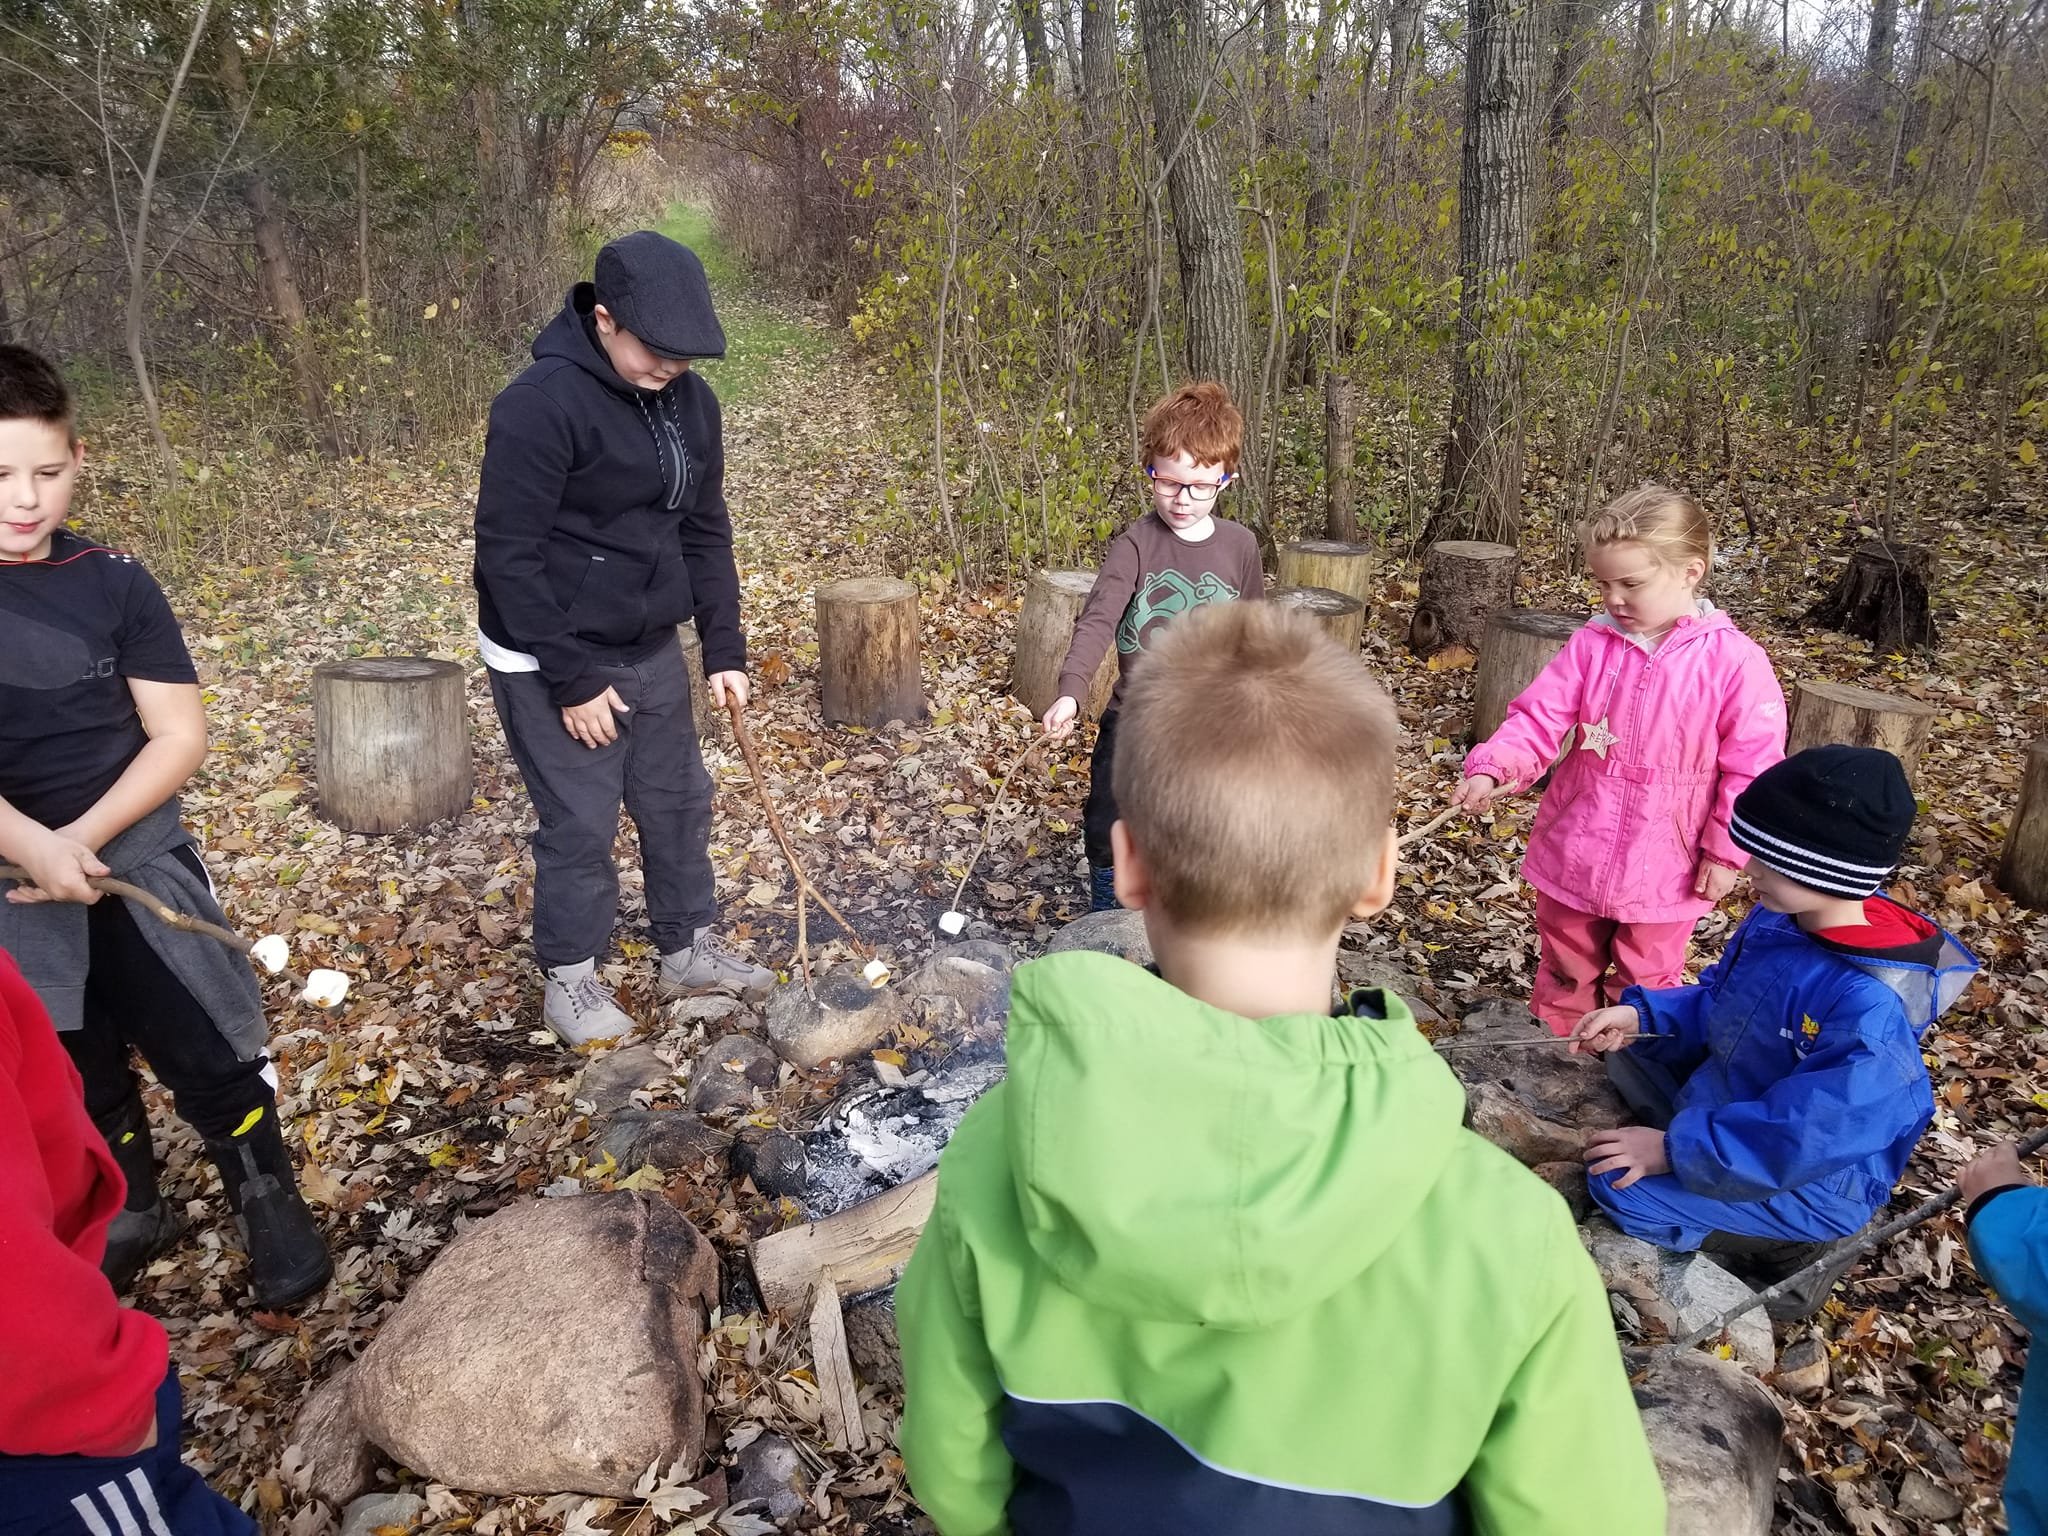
(988, 822)
(1456, 1043)
(734, 708)
(1927, 1209)
(1419, 833)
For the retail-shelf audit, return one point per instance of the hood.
(572, 334)
(1183, 1164)
(1707, 619)
(1927, 989)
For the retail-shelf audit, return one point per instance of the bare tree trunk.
(1877, 65)
(1180, 60)
(1340, 447)
(1037, 56)
(363, 225)
(1481, 493)
(1098, 64)
(1574, 47)
(1275, 17)
(1404, 25)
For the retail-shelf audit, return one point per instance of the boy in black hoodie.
(600, 526)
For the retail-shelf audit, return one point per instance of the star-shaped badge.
(1596, 738)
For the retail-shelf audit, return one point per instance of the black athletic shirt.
(73, 629)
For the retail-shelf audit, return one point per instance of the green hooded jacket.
(1195, 1273)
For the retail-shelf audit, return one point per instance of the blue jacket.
(1803, 1084)
(2009, 1246)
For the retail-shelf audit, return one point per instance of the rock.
(845, 1018)
(712, 1008)
(1676, 1292)
(871, 1338)
(982, 991)
(550, 1348)
(1495, 1112)
(989, 952)
(1568, 1177)
(775, 1162)
(673, 1140)
(1922, 1498)
(727, 1072)
(338, 1458)
(770, 1474)
(1357, 970)
(1544, 1095)
(1934, 1449)
(1117, 932)
(612, 1079)
(1803, 1368)
(1716, 1436)
(378, 1511)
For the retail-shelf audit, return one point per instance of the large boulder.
(672, 1140)
(981, 990)
(1674, 1293)
(1116, 932)
(1529, 1096)
(1715, 1435)
(551, 1348)
(840, 1017)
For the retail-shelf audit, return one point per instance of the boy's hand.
(60, 867)
(1999, 1168)
(723, 683)
(1605, 1029)
(594, 723)
(1714, 880)
(1059, 720)
(1474, 795)
(1634, 1151)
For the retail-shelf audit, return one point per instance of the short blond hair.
(1255, 768)
(1671, 525)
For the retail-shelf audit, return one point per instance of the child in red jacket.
(89, 1403)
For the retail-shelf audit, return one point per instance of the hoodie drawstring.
(667, 436)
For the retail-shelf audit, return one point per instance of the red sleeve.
(82, 1370)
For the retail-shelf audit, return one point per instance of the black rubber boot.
(147, 1224)
(1761, 1263)
(287, 1255)
(1102, 888)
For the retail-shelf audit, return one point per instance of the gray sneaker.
(579, 1008)
(711, 964)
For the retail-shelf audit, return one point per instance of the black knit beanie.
(1834, 819)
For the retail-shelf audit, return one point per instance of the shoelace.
(716, 947)
(590, 995)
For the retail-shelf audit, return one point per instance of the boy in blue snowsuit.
(2008, 1227)
(1781, 1097)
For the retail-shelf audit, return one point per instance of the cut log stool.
(1045, 627)
(2023, 871)
(1824, 713)
(391, 742)
(1463, 582)
(700, 691)
(1330, 563)
(1337, 614)
(867, 651)
(1519, 643)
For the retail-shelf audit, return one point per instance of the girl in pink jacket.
(1665, 710)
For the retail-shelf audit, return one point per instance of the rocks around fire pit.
(769, 1479)
(1535, 1102)
(1117, 932)
(775, 1161)
(673, 1140)
(844, 1018)
(979, 990)
(1716, 1435)
(611, 1080)
(1673, 1293)
(551, 1348)
(381, 1511)
(728, 1074)
(329, 1444)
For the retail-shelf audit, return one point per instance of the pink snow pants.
(1578, 950)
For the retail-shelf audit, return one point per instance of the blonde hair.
(1672, 526)
(1199, 420)
(1255, 768)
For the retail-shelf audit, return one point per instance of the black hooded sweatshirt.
(600, 521)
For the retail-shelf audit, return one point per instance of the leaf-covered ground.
(433, 1097)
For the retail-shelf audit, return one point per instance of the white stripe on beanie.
(1838, 877)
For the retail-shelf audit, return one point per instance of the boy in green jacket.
(1216, 1259)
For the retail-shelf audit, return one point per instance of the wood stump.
(700, 691)
(391, 742)
(1824, 713)
(1883, 597)
(1337, 614)
(1330, 563)
(2023, 870)
(1045, 627)
(1463, 582)
(1519, 643)
(867, 651)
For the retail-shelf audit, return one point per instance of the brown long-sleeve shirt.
(1151, 575)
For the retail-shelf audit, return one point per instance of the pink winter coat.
(1686, 726)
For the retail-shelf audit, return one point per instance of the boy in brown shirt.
(1178, 557)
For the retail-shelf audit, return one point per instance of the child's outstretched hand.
(1474, 795)
(1999, 1168)
(1059, 720)
(1714, 879)
(1605, 1029)
(1633, 1151)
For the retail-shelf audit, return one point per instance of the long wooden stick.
(184, 922)
(1427, 827)
(988, 822)
(745, 737)
(1926, 1210)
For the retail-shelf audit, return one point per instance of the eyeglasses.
(1195, 490)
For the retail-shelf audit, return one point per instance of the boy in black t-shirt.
(100, 726)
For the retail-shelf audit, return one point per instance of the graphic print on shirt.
(1167, 595)
(42, 658)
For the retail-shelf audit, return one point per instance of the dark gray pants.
(654, 768)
